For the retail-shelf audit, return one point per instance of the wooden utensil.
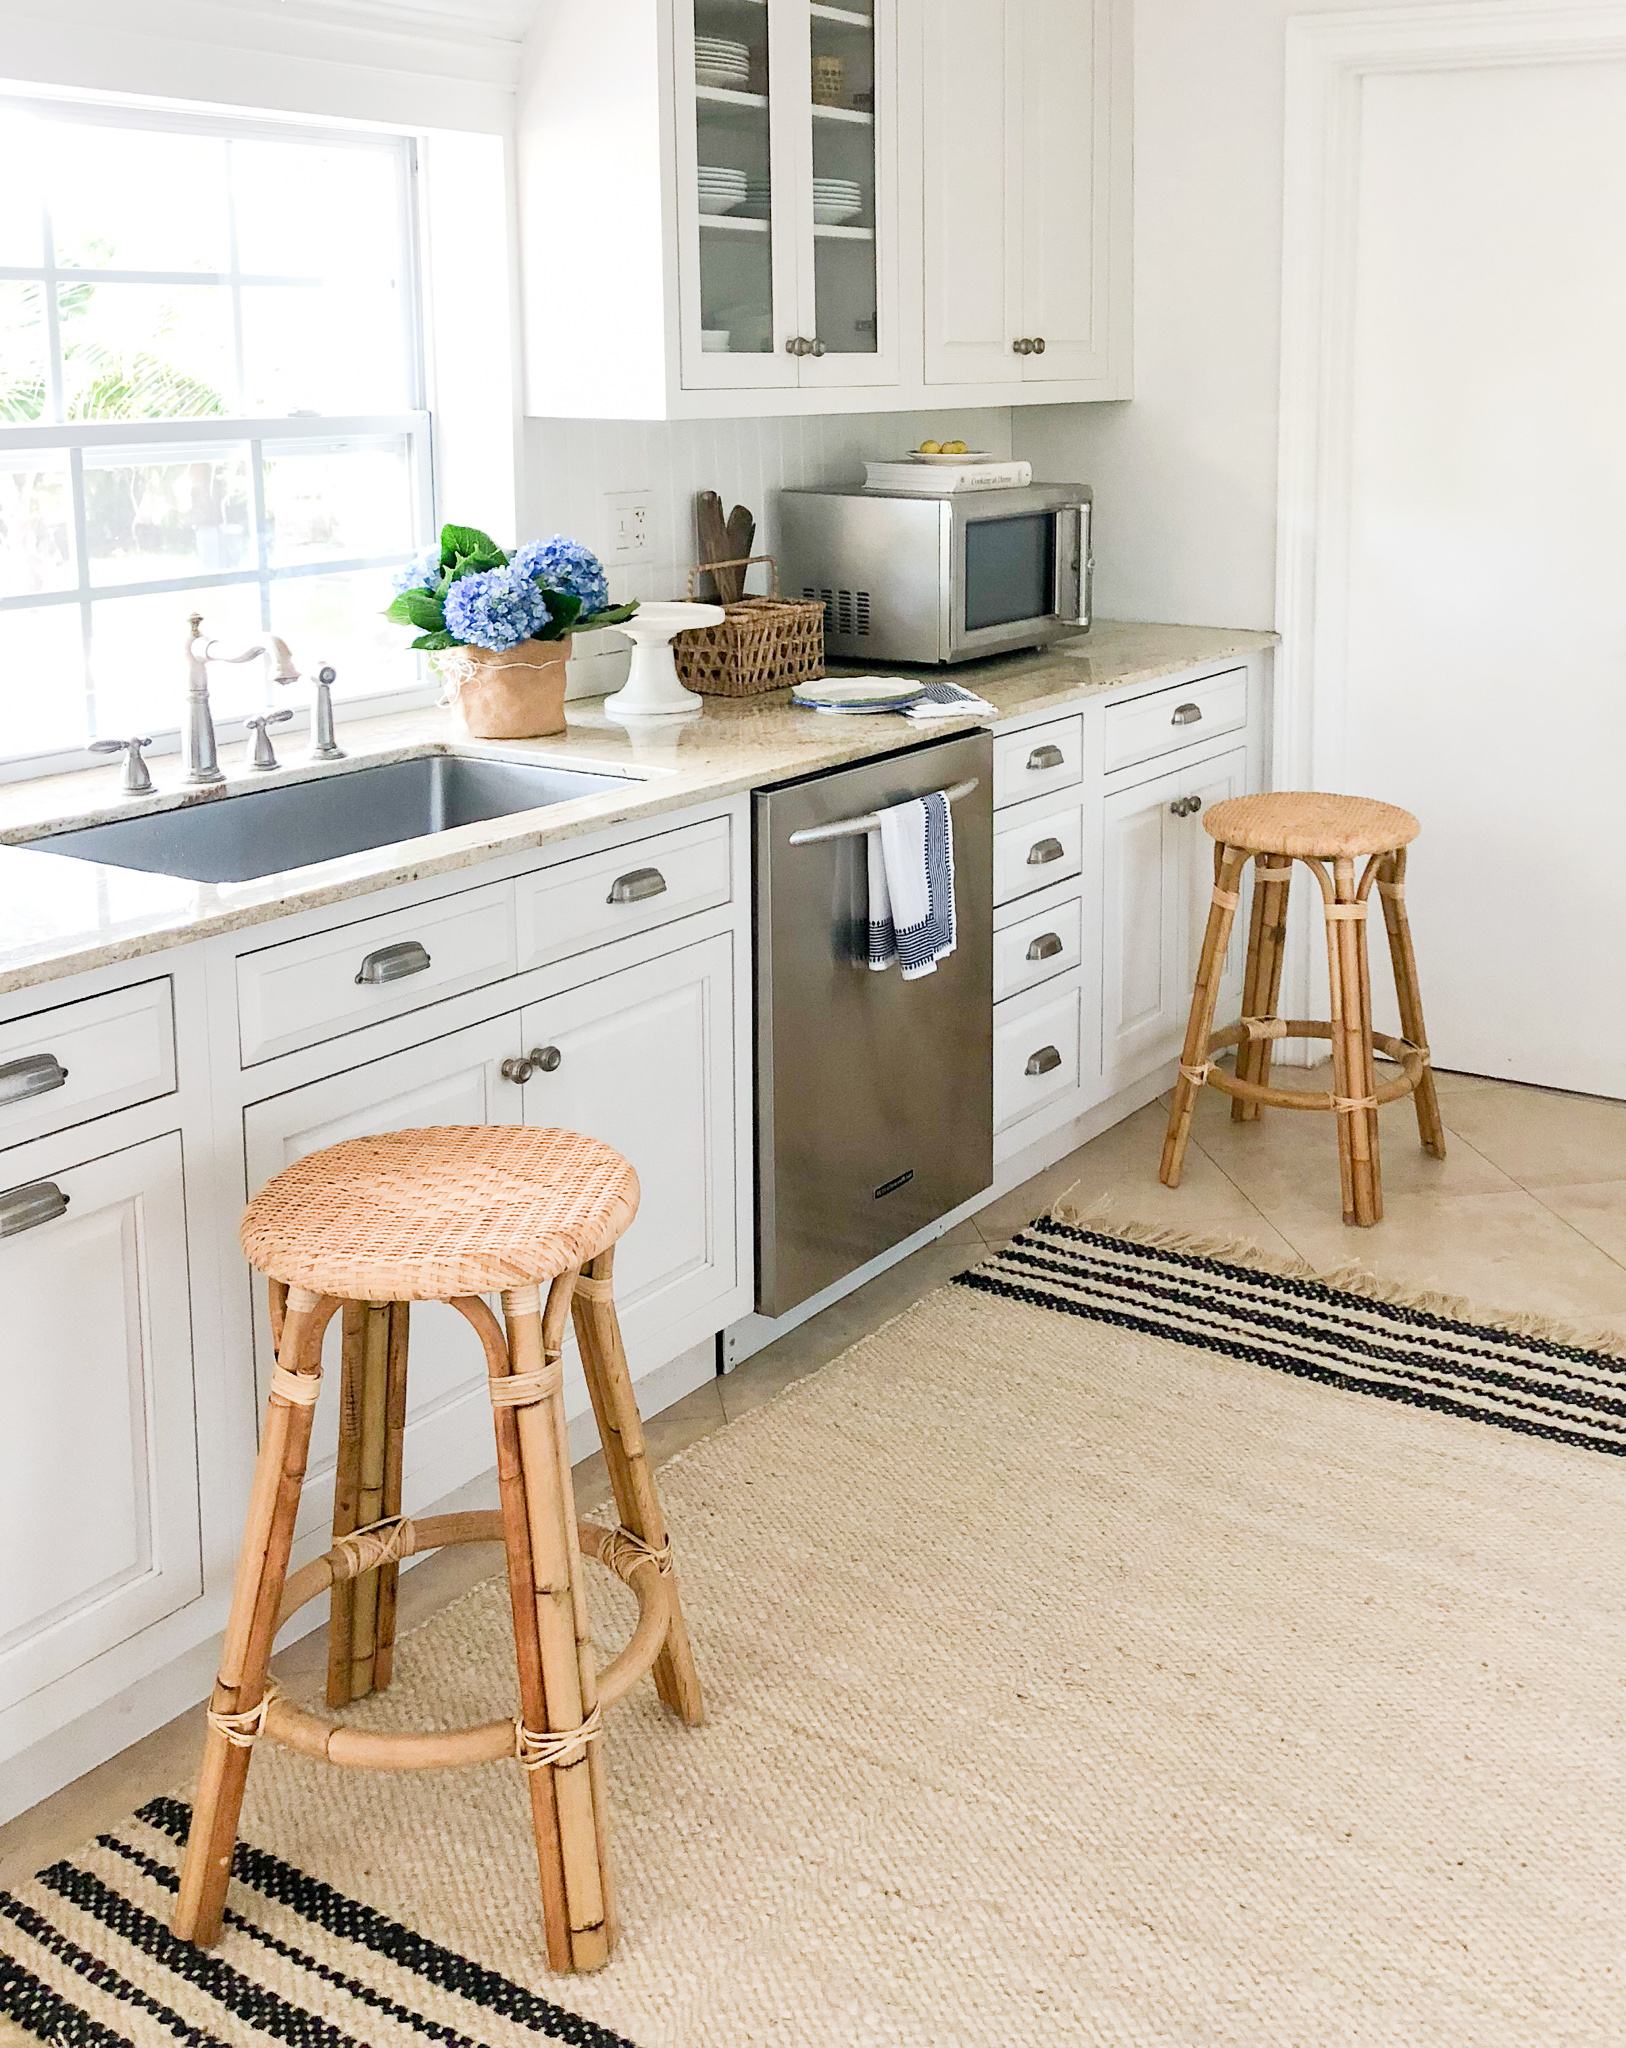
(742, 531)
(724, 541)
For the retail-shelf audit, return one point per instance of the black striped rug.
(1394, 1349)
(88, 1961)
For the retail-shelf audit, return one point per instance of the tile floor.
(1528, 1210)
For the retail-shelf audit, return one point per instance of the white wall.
(570, 464)
(1185, 473)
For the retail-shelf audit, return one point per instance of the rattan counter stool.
(1329, 834)
(447, 1215)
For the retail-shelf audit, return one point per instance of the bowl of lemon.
(948, 451)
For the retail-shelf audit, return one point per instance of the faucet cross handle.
(264, 756)
(137, 779)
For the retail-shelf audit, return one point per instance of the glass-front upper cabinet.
(785, 192)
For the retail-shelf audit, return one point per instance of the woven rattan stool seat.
(1311, 824)
(428, 1215)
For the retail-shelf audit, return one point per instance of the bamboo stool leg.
(1392, 890)
(621, 1431)
(245, 1656)
(558, 1619)
(1353, 1079)
(1229, 862)
(341, 1606)
(389, 1575)
(1267, 931)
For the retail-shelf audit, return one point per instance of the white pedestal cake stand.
(652, 689)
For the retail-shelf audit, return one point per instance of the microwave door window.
(1010, 570)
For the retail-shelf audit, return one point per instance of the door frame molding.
(1329, 59)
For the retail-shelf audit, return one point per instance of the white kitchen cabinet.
(1157, 879)
(98, 1459)
(452, 1080)
(644, 1061)
(1026, 196)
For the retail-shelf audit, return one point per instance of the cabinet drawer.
(306, 990)
(1036, 1054)
(64, 1066)
(605, 896)
(1039, 760)
(1170, 719)
(1038, 949)
(1035, 845)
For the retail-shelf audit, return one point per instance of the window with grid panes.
(211, 400)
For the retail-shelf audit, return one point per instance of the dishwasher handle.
(855, 828)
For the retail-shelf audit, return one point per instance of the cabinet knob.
(1022, 346)
(42, 1201)
(517, 1071)
(1046, 757)
(1186, 806)
(38, 1074)
(1038, 344)
(1043, 851)
(1046, 946)
(799, 345)
(815, 347)
(1044, 1061)
(546, 1057)
(394, 963)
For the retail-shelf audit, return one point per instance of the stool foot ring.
(1411, 1059)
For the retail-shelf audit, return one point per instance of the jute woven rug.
(1124, 1646)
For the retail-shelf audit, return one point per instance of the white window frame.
(175, 439)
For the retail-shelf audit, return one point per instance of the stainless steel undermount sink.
(249, 832)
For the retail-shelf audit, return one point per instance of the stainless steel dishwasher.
(875, 1100)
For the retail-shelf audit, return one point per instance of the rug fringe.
(1349, 1278)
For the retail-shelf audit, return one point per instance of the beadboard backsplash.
(570, 465)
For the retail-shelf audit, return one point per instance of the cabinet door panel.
(646, 1065)
(98, 1465)
(1066, 166)
(1143, 888)
(974, 150)
(451, 1080)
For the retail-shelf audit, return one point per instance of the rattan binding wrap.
(429, 1215)
(1310, 824)
(765, 643)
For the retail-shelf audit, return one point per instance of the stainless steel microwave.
(939, 579)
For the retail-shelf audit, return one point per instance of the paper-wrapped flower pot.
(512, 693)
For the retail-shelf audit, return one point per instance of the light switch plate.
(629, 526)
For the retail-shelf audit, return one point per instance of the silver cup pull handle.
(1186, 714)
(1046, 946)
(394, 963)
(1044, 1061)
(634, 888)
(38, 1074)
(1046, 757)
(42, 1201)
(1043, 851)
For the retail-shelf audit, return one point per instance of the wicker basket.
(765, 643)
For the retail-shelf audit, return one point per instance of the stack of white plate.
(717, 61)
(755, 203)
(721, 188)
(836, 200)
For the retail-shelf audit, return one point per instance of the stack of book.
(933, 479)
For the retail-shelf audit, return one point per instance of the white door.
(451, 1080)
(644, 1061)
(1145, 881)
(1215, 782)
(1066, 187)
(1473, 663)
(973, 123)
(98, 1460)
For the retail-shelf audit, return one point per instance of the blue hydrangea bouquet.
(498, 626)
(465, 592)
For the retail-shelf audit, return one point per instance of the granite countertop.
(61, 917)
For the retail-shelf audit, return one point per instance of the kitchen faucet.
(198, 756)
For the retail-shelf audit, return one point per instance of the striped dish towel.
(911, 886)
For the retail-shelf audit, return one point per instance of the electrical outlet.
(629, 524)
